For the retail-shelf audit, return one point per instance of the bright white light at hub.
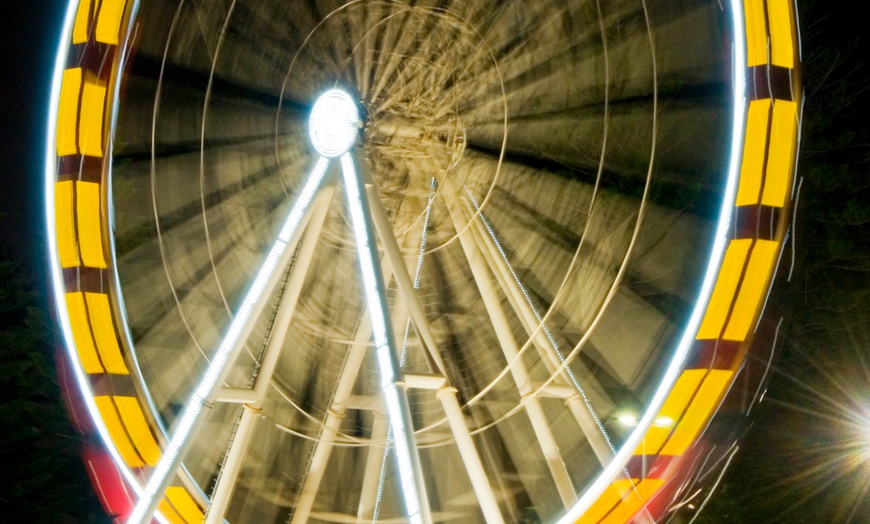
(333, 123)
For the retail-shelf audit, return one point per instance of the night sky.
(823, 371)
(29, 39)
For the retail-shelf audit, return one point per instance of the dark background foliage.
(42, 473)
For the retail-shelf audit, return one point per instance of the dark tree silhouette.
(41, 470)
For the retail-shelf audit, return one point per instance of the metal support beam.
(555, 390)
(286, 306)
(374, 458)
(509, 347)
(403, 280)
(514, 294)
(291, 294)
(468, 451)
(433, 382)
(334, 415)
(506, 277)
(410, 475)
(252, 398)
(590, 428)
(446, 393)
(236, 395)
(223, 491)
(234, 340)
(343, 400)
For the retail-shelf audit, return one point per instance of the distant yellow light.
(672, 409)
(81, 329)
(137, 428)
(65, 224)
(627, 419)
(756, 34)
(88, 214)
(782, 48)
(184, 504)
(109, 21)
(663, 422)
(104, 333)
(752, 289)
(724, 290)
(780, 157)
(116, 432)
(80, 26)
(696, 417)
(754, 147)
(68, 112)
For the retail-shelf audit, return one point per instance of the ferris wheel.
(384, 260)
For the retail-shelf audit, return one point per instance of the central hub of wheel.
(333, 123)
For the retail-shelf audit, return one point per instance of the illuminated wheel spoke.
(229, 348)
(253, 398)
(411, 477)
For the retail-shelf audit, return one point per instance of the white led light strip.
(191, 415)
(332, 128)
(396, 401)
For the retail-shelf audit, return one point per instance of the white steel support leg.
(410, 475)
(223, 492)
(514, 295)
(374, 458)
(403, 279)
(582, 414)
(264, 282)
(447, 395)
(509, 347)
(468, 451)
(230, 471)
(590, 428)
(334, 415)
(293, 290)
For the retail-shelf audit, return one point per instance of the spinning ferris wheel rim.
(606, 477)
